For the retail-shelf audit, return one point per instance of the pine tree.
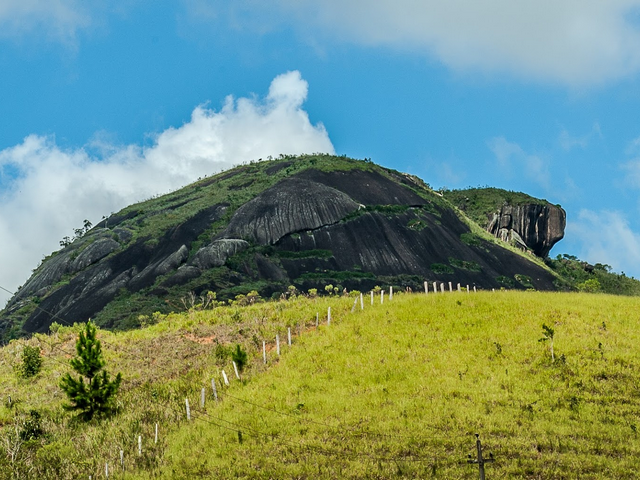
(95, 396)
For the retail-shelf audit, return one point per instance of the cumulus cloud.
(511, 157)
(573, 42)
(606, 237)
(60, 19)
(47, 191)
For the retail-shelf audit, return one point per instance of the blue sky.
(102, 105)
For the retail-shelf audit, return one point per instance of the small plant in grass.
(31, 427)
(31, 362)
(240, 357)
(547, 335)
(92, 393)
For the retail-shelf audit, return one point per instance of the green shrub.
(465, 264)
(240, 357)
(506, 281)
(31, 427)
(31, 361)
(590, 286)
(440, 268)
(471, 239)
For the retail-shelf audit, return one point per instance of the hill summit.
(305, 222)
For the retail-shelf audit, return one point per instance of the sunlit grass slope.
(396, 390)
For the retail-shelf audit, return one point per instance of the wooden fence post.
(215, 390)
(106, 470)
(264, 352)
(468, 291)
(202, 398)
(442, 287)
(390, 293)
(226, 380)
(140, 436)
(317, 319)
(381, 297)
(235, 369)
(361, 302)
(459, 288)
(450, 287)
(426, 288)
(329, 316)
(289, 335)
(122, 459)
(435, 287)
(278, 344)
(372, 298)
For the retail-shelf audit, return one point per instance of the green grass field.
(395, 390)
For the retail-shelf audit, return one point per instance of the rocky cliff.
(533, 226)
(308, 221)
(530, 223)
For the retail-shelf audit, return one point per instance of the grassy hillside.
(396, 390)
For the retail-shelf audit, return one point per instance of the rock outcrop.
(292, 205)
(308, 222)
(539, 227)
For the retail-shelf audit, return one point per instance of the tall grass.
(396, 390)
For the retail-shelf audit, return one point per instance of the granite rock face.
(538, 226)
(293, 205)
(267, 226)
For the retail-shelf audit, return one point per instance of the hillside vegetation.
(396, 390)
(479, 203)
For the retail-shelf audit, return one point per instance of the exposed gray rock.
(292, 205)
(538, 226)
(160, 267)
(182, 276)
(216, 253)
(94, 252)
(124, 235)
(49, 274)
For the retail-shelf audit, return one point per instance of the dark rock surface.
(216, 253)
(270, 225)
(539, 226)
(293, 205)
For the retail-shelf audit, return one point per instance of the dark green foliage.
(31, 427)
(317, 253)
(440, 268)
(576, 275)
(506, 281)
(240, 357)
(31, 361)
(524, 280)
(335, 275)
(471, 239)
(92, 393)
(465, 264)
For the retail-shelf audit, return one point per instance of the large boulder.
(539, 226)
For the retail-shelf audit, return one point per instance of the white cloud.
(59, 19)
(606, 237)
(568, 142)
(46, 191)
(510, 156)
(573, 42)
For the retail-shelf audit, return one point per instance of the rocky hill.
(308, 221)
